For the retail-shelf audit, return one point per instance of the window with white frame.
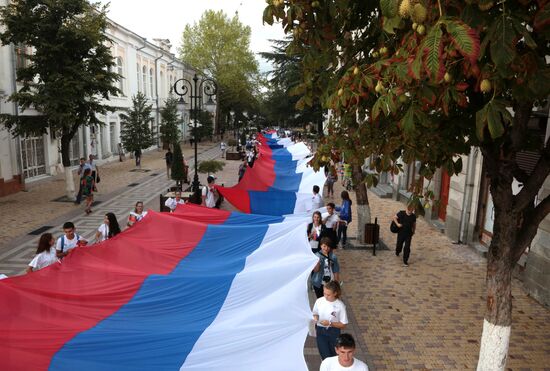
(144, 80)
(120, 71)
(162, 85)
(138, 75)
(151, 90)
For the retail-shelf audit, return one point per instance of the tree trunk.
(362, 200)
(498, 316)
(66, 161)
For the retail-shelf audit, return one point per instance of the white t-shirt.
(69, 244)
(222, 146)
(210, 200)
(332, 364)
(104, 230)
(331, 221)
(44, 259)
(316, 201)
(171, 203)
(334, 311)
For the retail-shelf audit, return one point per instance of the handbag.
(98, 179)
(393, 227)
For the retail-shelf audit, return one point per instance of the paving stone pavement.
(15, 257)
(429, 316)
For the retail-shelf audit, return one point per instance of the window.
(120, 72)
(144, 80)
(138, 77)
(151, 90)
(162, 85)
(22, 56)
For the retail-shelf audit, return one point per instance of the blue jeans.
(326, 341)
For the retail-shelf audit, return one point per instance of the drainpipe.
(18, 146)
(157, 98)
(467, 200)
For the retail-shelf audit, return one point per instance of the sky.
(166, 19)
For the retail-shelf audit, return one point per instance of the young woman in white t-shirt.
(45, 253)
(329, 312)
(108, 229)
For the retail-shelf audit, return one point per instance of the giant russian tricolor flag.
(279, 183)
(167, 294)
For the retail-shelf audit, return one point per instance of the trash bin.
(372, 234)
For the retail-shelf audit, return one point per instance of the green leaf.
(390, 24)
(520, 28)
(496, 129)
(502, 49)
(415, 65)
(464, 38)
(433, 48)
(407, 122)
(389, 7)
(481, 122)
(376, 108)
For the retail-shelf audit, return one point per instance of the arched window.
(151, 89)
(120, 71)
(162, 85)
(144, 80)
(138, 77)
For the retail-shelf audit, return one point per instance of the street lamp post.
(195, 91)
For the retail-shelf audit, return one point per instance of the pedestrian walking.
(137, 214)
(45, 253)
(406, 222)
(331, 179)
(95, 171)
(330, 315)
(223, 147)
(88, 185)
(137, 156)
(345, 218)
(68, 241)
(81, 167)
(344, 359)
(327, 268)
(120, 152)
(108, 229)
(169, 158)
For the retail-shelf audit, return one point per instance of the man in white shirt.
(210, 193)
(172, 203)
(223, 147)
(316, 200)
(344, 361)
(68, 241)
(331, 223)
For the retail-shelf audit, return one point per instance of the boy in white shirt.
(316, 200)
(68, 241)
(210, 193)
(344, 361)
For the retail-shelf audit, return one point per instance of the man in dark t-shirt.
(406, 221)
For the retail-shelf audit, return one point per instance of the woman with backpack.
(327, 268)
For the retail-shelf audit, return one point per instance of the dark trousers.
(343, 233)
(318, 291)
(403, 238)
(326, 341)
(79, 194)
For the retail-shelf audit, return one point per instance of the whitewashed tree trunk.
(363, 217)
(494, 347)
(69, 183)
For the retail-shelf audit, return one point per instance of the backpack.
(393, 227)
(63, 241)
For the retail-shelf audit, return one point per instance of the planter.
(233, 156)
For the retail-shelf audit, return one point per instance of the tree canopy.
(136, 133)
(219, 47)
(169, 130)
(427, 80)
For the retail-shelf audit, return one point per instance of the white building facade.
(147, 67)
